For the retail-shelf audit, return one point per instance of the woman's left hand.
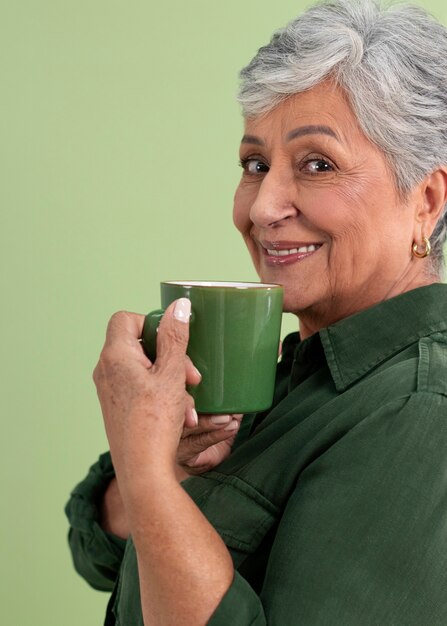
(144, 404)
(206, 445)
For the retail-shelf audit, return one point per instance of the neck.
(313, 319)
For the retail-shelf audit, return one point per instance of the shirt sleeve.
(97, 555)
(240, 606)
(363, 538)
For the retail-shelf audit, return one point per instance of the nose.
(275, 200)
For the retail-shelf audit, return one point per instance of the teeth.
(301, 250)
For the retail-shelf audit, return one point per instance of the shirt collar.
(362, 341)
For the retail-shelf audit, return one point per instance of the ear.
(431, 200)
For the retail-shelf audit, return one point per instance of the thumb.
(173, 335)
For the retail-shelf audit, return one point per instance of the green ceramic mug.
(234, 341)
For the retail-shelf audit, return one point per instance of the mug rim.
(223, 284)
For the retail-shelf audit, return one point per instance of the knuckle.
(193, 446)
(120, 315)
(205, 440)
(107, 356)
(99, 373)
(117, 319)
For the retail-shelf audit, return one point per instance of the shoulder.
(399, 406)
(415, 371)
(432, 364)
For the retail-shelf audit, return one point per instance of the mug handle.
(149, 334)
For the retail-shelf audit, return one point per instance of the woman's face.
(319, 211)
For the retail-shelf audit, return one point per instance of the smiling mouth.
(289, 251)
(277, 253)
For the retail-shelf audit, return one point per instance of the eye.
(253, 166)
(317, 166)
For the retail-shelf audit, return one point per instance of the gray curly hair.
(392, 63)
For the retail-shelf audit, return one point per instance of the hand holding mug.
(144, 404)
(206, 445)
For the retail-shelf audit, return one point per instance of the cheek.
(358, 232)
(341, 215)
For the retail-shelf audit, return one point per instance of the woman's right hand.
(201, 448)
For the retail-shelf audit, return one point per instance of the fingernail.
(182, 310)
(233, 425)
(220, 419)
(197, 371)
(195, 417)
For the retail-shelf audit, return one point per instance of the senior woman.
(332, 506)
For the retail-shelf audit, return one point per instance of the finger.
(207, 460)
(193, 376)
(124, 325)
(195, 444)
(233, 426)
(122, 337)
(211, 423)
(172, 337)
(191, 417)
(208, 423)
(237, 416)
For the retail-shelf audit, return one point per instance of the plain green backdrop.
(118, 154)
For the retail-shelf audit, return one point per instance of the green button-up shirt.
(333, 504)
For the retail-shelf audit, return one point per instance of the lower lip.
(288, 259)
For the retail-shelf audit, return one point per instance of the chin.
(293, 303)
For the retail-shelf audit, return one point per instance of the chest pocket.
(240, 514)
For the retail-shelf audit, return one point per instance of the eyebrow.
(311, 130)
(252, 139)
(293, 134)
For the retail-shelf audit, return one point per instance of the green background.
(119, 133)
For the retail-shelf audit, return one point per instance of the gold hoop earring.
(425, 252)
